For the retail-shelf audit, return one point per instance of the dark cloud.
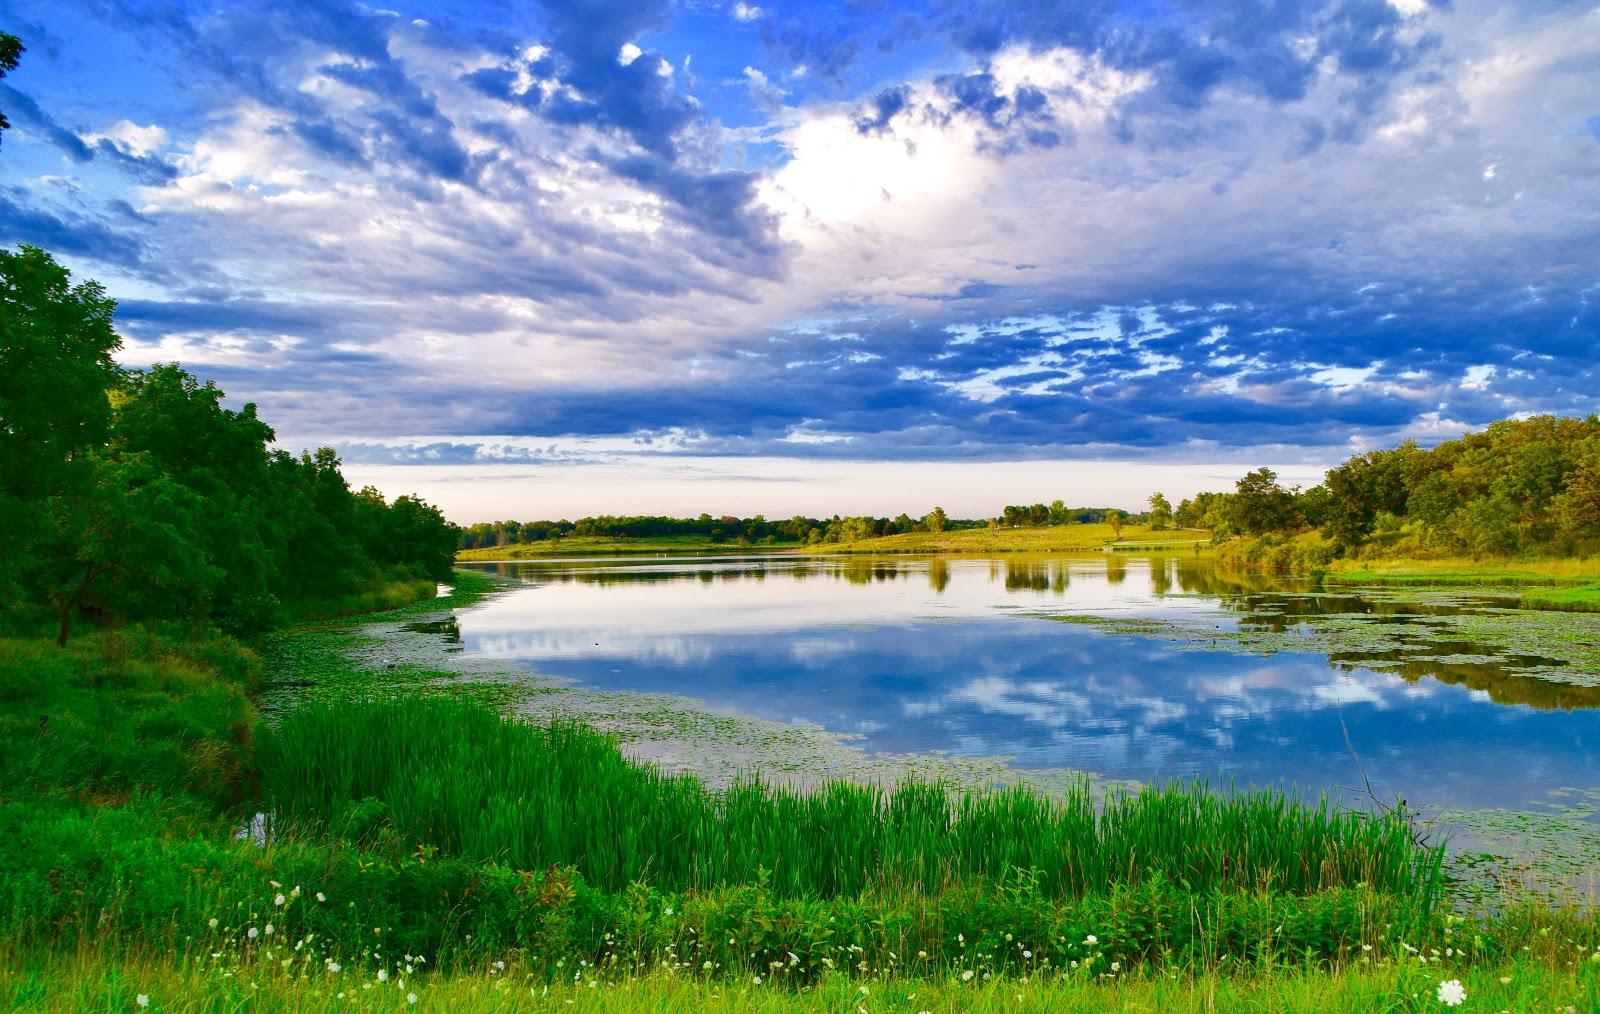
(24, 220)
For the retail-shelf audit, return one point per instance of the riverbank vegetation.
(1065, 538)
(1518, 503)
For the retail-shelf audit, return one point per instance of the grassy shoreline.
(374, 870)
(1077, 538)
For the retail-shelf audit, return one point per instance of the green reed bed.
(456, 776)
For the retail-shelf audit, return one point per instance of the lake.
(972, 656)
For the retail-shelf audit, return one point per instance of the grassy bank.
(532, 864)
(1047, 539)
(1464, 571)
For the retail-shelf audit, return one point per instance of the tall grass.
(455, 775)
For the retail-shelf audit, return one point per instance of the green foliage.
(1160, 513)
(11, 50)
(563, 794)
(137, 496)
(127, 711)
(1259, 505)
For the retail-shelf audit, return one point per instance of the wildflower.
(252, 933)
(213, 923)
(667, 910)
(142, 1000)
(269, 930)
(411, 998)
(865, 991)
(966, 976)
(1452, 993)
(1505, 980)
(1116, 966)
(1090, 940)
(278, 901)
(333, 966)
(321, 896)
(1027, 954)
(383, 975)
(758, 980)
(500, 966)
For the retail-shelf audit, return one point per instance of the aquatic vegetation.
(560, 793)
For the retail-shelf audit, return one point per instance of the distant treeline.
(726, 529)
(134, 495)
(759, 531)
(1529, 486)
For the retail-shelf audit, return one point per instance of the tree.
(56, 343)
(935, 520)
(1058, 512)
(55, 368)
(11, 50)
(1260, 505)
(1115, 519)
(1160, 512)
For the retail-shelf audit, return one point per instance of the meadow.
(1092, 537)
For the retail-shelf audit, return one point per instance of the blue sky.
(640, 255)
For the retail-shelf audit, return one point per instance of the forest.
(136, 496)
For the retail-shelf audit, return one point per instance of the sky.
(546, 259)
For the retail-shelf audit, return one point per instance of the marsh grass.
(456, 775)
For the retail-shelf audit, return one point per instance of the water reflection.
(921, 654)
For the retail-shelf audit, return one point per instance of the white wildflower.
(213, 922)
(411, 998)
(321, 896)
(252, 933)
(142, 1000)
(278, 901)
(1090, 940)
(1452, 993)
(966, 976)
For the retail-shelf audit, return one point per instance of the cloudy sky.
(553, 258)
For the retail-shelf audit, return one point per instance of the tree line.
(755, 530)
(135, 495)
(1520, 486)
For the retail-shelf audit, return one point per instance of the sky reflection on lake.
(938, 654)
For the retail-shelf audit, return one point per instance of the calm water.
(943, 654)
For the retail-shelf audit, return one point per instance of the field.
(1048, 539)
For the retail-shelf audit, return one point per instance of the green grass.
(1569, 600)
(1463, 571)
(535, 795)
(118, 712)
(93, 980)
(606, 545)
(1047, 539)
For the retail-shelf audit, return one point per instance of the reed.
(455, 775)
